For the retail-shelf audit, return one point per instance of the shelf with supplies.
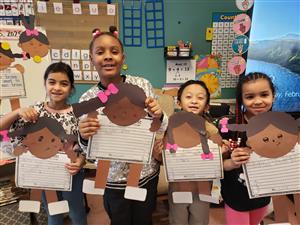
(178, 57)
(176, 53)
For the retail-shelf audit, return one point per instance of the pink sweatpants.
(253, 217)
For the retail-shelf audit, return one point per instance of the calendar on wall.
(180, 71)
(223, 36)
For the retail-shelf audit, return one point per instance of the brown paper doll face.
(43, 143)
(34, 48)
(185, 136)
(5, 61)
(124, 113)
(272, 142)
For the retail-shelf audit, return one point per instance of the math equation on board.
(180, 71)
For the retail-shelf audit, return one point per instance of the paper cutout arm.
(216, 138)
(155, 125)
(207, 154)
(20, 68)
(102, 166)
(68, 148)
(20, 149)
(85, 107)
(237, 127)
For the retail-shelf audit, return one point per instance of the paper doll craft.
(188, 132)
(11, 76)
(33, 42)
(275, 139)
(43, 139)
(7, 57)
(271, 134)
(124, 105)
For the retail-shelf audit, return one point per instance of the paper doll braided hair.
(31, 33)
(196, 122)
(6, 50)
(44, 122)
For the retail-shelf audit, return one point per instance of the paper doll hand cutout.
(20, 68)
(69, 149)
(216, 138)
(20, 149)
(155, 125)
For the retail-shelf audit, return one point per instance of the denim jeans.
(75, 200)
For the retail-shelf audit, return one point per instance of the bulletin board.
(74, 31)
(22, 79)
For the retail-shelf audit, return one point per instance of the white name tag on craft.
(182, 197)
(135, 193)
(58, 207)
(88, 187)
(29, 206)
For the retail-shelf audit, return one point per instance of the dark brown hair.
(112, 33)
(239, 91)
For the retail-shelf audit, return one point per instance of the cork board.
(72, 31)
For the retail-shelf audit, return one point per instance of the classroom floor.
(98, 216)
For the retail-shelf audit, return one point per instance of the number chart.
(223, 36)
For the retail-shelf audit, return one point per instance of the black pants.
(122, 211)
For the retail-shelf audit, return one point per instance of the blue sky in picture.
(275, 49)
(283, 13)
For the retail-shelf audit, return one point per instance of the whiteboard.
(33, 72)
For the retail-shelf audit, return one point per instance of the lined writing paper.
(267, 177)
(11, 83)
(132, 143)
(187, 165)
(47, 174)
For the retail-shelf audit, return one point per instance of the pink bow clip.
(103, 95)
(96, 33)
(116, 34)
(172, 147)
(4, 134)
(224, 123)
(33, 32)
(208, 156)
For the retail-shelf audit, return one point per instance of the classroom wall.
(184, 19)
